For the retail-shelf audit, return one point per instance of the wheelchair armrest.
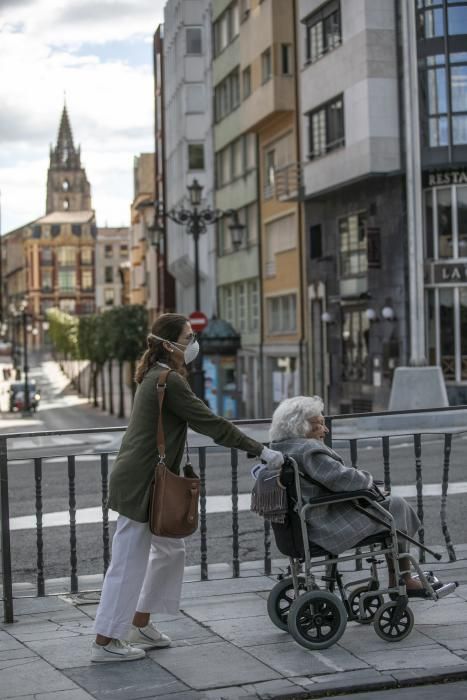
(342, 496)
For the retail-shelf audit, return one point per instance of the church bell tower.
(68, 188)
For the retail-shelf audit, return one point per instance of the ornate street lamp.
(196, 221)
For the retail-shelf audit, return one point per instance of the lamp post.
(196, 220)
(24, 319)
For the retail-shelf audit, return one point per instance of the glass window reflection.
(462, 221)
(431, 23)
(437, 103)
(459, 129)
(463, 330)
(444, 213)
(459, 88)
(447, 332)
(457, 20)
(438, 127)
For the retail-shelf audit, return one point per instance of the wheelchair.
(314, 615)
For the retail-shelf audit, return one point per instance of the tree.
(127, 328)
(63, 332)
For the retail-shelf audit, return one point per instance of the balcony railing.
(354, 438)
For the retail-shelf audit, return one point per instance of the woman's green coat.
(134, 467)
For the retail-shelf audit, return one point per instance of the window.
(109, 297)
(244, 9)
(446, 234)
(430, 23)
(124, 250)
(66, 256)
(66, 204)
(316, 242)
(109, 275)
(47, 280)
(55, 230)
(246, 76)
(108, 251)
(253, 294)
(86, 256)
(286, 59)
(355, 335)
(227, 95)
(281, 235)
(68, 306)
(269, 170)
(457, 19)
(326, 128)
(76, 229)
(278, 156)
(282, 314)
(195, 98)
(65, 185)
(226, 28)
(242, 307)
(353, 253)
(323, 31)
(194, 45)
(86, 279)
(266, 65)
(67, 280)
(237, 158)
(46, 255)
(195, 156)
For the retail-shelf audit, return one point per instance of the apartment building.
(112, 267)
(257, 173)
(188, 145)
(384, 143)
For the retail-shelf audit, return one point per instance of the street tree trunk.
(95, 371)
(121, 407)
(133, 383)
(111, 389)
(102, 373)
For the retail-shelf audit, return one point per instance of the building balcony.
(288, 182)
(275, 96)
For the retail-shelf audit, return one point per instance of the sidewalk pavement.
(225, 646)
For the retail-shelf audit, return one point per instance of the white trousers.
(145, 575)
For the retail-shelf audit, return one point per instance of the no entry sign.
(198, 321)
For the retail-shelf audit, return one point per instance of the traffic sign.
(198, 321)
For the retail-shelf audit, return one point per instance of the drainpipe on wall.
(303, 355)
(261, 402)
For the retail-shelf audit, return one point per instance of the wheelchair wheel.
(317, 620)
(393, 631)
(280, 601)
(371, 605)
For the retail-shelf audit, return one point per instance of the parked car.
(18, 396)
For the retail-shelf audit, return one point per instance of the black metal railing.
(103, 458)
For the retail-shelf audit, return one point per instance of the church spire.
(68, 188)
(65, 155)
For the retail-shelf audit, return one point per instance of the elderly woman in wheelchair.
(319, 509)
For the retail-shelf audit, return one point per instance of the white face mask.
(190, 351)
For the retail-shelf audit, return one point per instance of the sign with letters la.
(450, 273)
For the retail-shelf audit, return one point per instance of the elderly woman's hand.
(274, 460)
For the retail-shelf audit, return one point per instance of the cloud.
(109, 95)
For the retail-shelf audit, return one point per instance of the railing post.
(417, 441)
(6, 547)
(203, 519)
(105, 509)
(328, 436)
(235, 547)
(444, 494)
(39, 533)
(72, 511)
(267, 548)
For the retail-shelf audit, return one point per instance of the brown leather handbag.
(173, 504)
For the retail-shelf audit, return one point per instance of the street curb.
(395, 679)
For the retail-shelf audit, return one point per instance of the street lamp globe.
(45, 325)
(195, 190)
(35, 331)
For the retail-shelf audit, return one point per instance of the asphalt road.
(61, 409)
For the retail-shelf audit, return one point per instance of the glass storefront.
(446, 289)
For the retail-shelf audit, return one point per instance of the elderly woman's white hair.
(291, 417)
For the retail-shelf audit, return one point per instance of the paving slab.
(223, 607)
(27, 606)
(215, 665)
(361, 638)
(416, 657)
(126, 681)
(249, 631)
(31, 676)
(290, 659)
(64, 653)
(202, 589)
(352, 681)
(77, 694)
(184, 629)
(270, 689)
(20, 652)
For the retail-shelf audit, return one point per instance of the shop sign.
(451, 273)
(445, 177)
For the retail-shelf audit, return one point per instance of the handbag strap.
(161, 387)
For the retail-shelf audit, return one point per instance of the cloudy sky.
(99, 53)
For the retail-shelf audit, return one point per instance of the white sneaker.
(148, 636)
(115, 650)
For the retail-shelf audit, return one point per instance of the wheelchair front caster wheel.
(280, 600)
(388, 627)
(317, 620)
(370, 605)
